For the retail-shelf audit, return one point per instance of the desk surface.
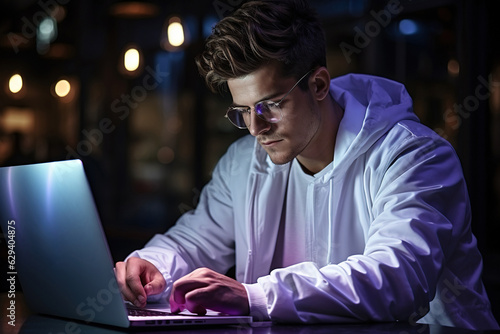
(26, 322)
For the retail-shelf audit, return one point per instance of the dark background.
(165, 141)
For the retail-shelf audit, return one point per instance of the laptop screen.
(62, 258)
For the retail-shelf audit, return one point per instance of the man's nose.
(257, 125)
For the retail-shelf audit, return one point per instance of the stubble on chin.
(279, 158)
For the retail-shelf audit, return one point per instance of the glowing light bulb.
(132, 59)
(175, 34)
(62, 88)
(15, 83)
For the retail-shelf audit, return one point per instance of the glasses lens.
(235, 115)
(269, 111)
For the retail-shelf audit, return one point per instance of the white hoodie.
(388, 224)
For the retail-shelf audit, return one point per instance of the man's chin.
(279, 159)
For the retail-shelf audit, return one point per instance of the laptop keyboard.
(136, 312)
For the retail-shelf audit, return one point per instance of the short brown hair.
(287, 31)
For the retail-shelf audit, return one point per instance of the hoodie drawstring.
(330, 222)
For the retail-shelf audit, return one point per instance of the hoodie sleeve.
(420, 211)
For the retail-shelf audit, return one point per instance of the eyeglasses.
(268, 111)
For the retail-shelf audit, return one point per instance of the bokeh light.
(15, 83)
(62, 88)
(132, 59)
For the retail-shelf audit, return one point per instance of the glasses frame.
(269, 102)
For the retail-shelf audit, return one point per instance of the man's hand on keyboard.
(205, 289)
(137, 279)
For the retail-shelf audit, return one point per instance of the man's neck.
(324, 142)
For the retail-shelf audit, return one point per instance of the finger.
(190, 306)
(118, 283)
(120, 272)
(175, 307)
(155, 284)
(195, 301)
(230, 298)
(197, 309)
(134, 272)
(184, 285)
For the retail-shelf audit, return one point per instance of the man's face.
(292, 135)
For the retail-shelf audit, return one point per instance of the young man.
(338, 207)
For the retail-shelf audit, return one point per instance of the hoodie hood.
(372, 106)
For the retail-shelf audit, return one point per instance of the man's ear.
(320, 83)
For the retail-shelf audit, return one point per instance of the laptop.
(62, 260)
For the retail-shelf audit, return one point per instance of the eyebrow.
(265, 98)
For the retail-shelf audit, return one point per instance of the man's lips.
(269, 142)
